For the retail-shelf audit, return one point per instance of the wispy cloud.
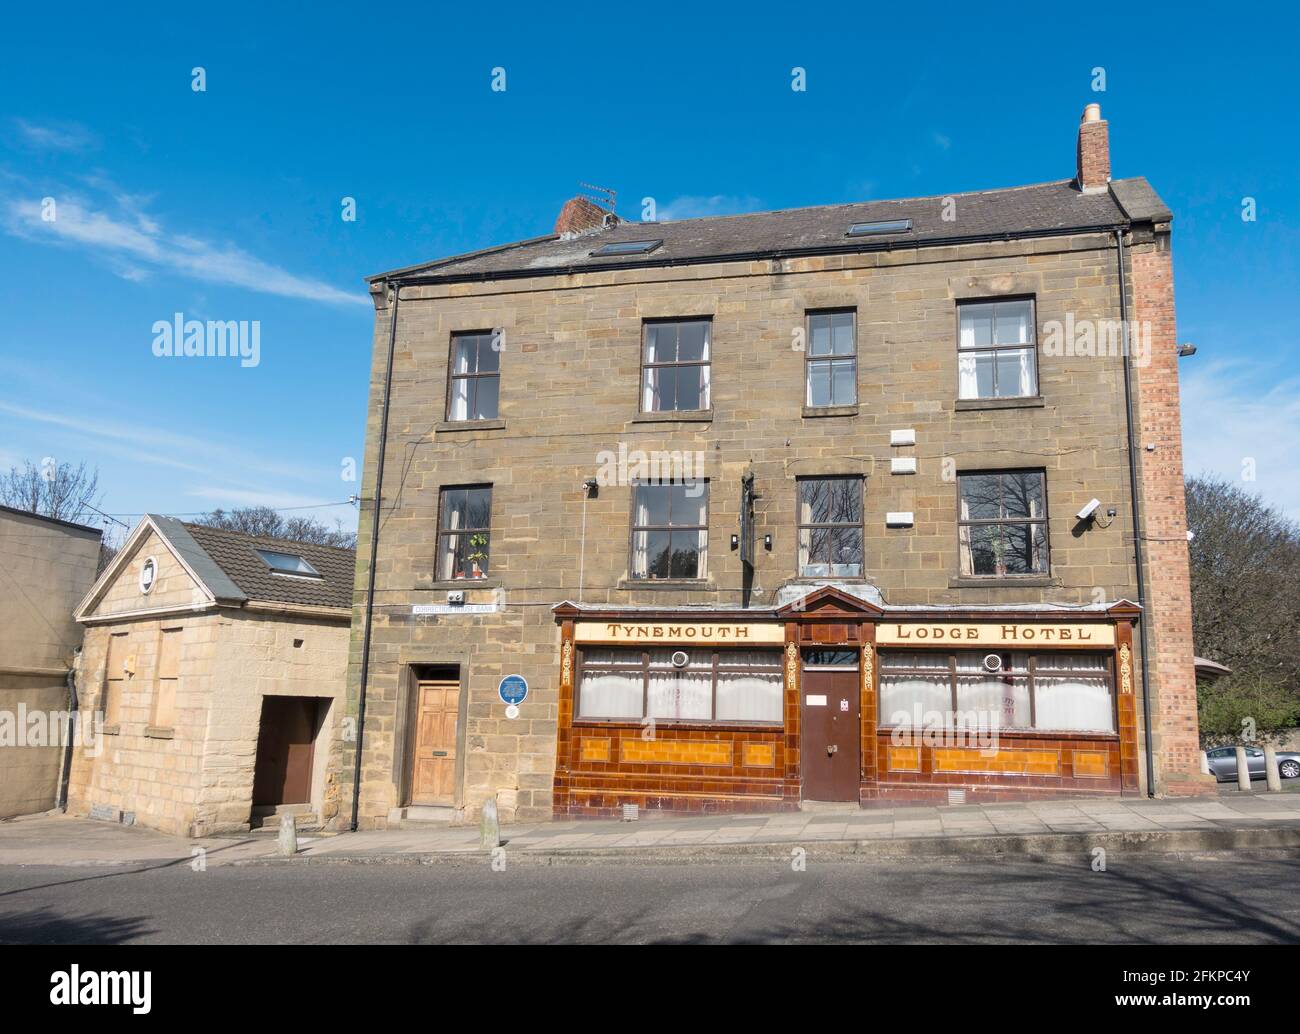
(68, 136)
(134, 243)
(698, 207)
(941, 141)
(160, 446)
(1226, 405)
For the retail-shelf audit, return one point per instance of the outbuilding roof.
(235, 555)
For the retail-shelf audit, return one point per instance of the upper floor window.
(474, 386)
(464, 531)
(831, 359)
(670, 529)
(830, 527)
(675, 366)
(996, 350)
(1002, 523)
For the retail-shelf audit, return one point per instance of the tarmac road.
(1218, 899)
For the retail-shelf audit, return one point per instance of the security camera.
(1087, 512)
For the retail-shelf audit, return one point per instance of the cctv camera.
(1087, 512)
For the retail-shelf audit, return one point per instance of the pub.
(776, 510)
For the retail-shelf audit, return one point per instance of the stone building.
(216, 663)
(46, 565)
(828, 504)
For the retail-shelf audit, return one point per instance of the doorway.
(286, 750)
(435, 702)
(831, 726)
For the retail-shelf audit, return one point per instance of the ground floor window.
(1062, 691)
(697, 685)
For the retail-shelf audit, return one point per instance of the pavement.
(1228, 822)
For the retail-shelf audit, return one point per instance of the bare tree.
(264, 521)
(61, 491)
(57, 490)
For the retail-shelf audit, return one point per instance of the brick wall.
(1164, 522)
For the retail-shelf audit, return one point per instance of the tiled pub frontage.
(834, 697)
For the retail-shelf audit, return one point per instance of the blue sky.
(226, 204)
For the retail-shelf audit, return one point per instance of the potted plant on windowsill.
(477, 544)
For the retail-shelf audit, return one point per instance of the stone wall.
(46, 567)
(569, 391)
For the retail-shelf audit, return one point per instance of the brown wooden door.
(830, 734)
(285, 751)
(433, 778)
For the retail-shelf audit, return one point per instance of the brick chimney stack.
(1093, 165)
(580, 214)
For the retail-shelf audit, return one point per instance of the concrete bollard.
(489, 827)
(1243, 770)
(1205, 764)
(288, 841)
(1271, 774)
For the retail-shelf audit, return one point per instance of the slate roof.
(228, 560)
(1041, 209)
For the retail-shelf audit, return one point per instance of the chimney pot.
(1092, 166)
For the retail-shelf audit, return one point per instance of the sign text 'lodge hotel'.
(890, 633)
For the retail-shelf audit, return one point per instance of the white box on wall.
(907, 436)
(901, 519)
(902, 465)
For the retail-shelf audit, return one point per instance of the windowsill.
(816, 411)
(1024, 402)
(455, 584)
(112, 730)
(452, 426)
(677, 416)
(669, 584)
(157, 732)
(1035, 581)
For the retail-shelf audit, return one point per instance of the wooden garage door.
(433, 780)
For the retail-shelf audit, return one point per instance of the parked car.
(1223, 763)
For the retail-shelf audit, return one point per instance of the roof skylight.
(288, 563)
(628, 248)
(880, 226)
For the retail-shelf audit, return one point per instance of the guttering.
(1138, 569)
(755, 256)
(396, 286)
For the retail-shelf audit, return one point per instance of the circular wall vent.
(992, 662)
(681, 659)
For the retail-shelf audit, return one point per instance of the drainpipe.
(374, 548)
(71, 738)
(1139, 571)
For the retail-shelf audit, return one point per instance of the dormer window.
(288, 563)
